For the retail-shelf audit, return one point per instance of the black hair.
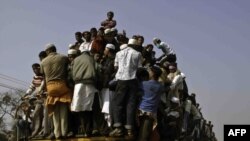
(140, 37)
(52, 49)
(149, 45)
(78, 33)
(93, 29)
(42, 54)
(142, 74)
(135, 37)
(157, 72)
(85, 32)
(112, 51)
(35, 65)
(111, 12)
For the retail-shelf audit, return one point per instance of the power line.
(11, 87)
(14, 79)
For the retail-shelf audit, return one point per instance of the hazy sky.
(210, 37)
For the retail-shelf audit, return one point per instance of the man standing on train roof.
(169, 54)
(127, 61)
(54, 68)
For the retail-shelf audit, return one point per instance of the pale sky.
(211, 39)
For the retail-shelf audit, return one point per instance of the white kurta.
(83, 97)
(106, 94)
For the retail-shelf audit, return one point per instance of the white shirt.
(127, 61)
(177, 82)
(85, 46)
(165, 48)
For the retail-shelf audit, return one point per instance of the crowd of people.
(111, 85)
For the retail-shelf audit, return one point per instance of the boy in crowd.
(149, 103)
(35, 88)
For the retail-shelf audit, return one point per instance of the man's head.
(193, 95)
(197, 105)
(97, 57)
(36, 68)
(165, 65)
(93, 32)
(149, 47)
(122, 39)
(109, 50)
(154, 73)
(50, 48)
(78, 36)
(132, 42)
(108, 35)
(72, 54)
(205, 121)
(140, 40)
(100, 31)
(209, 122)
(114, 31)
(156, 41)
(142, 74)
(172, 67)
(175, 102)
(110, 15)
(42, 55)
(87, 36)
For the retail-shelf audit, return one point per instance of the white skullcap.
(175, 100)
(72, 51)
(113, 29)
(47, 46)
(183, 75)
(123, 46)
(110, 46)
(71, 45)
(107, 31)
(155, 39)
(132, 42)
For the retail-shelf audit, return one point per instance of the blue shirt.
(151, 97)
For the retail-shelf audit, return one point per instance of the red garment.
(98, 45)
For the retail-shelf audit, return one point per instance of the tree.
(9, 102)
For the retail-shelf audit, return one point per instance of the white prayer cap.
(71, 45)
(123, 46)
(72, 52)
(132, 42)
(155, 39)
(175, 100)
(183, 75)
(49, 45)
(110, 46)
(107, 31)
(113, 29)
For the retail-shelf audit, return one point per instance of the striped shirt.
(36, 83)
